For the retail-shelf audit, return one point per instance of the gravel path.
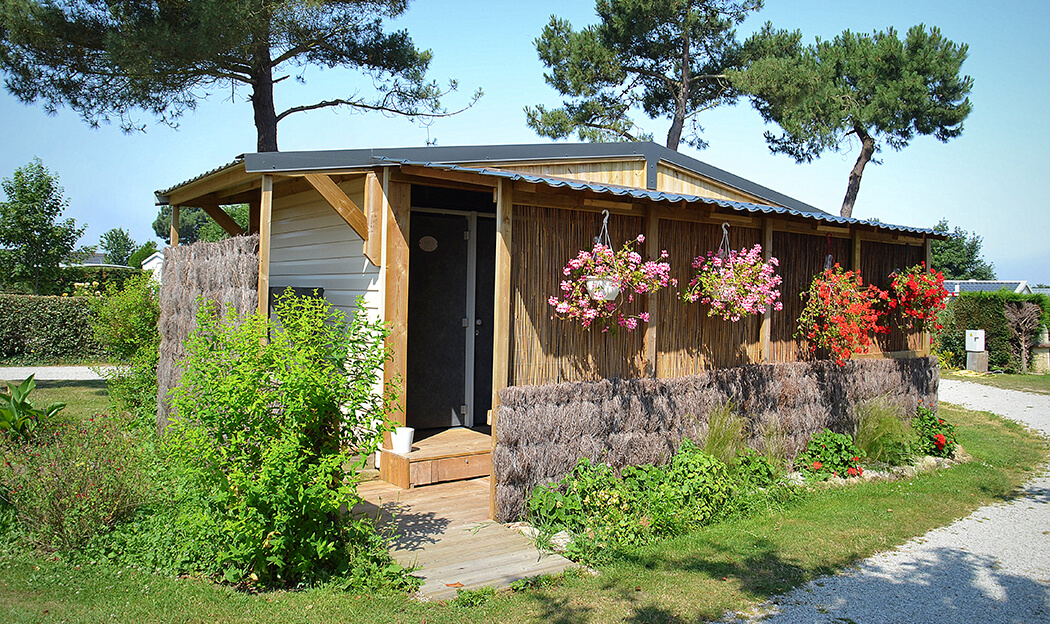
(992, 567)
(50, 373)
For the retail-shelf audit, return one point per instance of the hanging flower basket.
(734, 284)
(602, 288)
(841, 315)
(599, 281)
(920, 296)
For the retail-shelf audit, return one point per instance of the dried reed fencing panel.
(226, 272)
(546, 349)
(690, 341)
(544, 430)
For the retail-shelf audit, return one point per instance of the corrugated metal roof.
(958, 286)
(167, 191)
(658, 196)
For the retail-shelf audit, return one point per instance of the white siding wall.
(311, 246)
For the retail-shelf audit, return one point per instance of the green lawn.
(692, 578)
(1039, 384)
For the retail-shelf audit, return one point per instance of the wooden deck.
(450, 455)
(444, 530)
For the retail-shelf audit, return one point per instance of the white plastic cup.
(401, 440)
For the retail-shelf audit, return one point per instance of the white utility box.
(975, 340)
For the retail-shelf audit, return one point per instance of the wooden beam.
(395, 371)
(338, 200)
(219, 181)
(374, 207)
(765, 330)
(652, 329)
(857, 243)
(464, 177)
(174, 231)
(253, 216)
(224, 220)
(265, 217)
(501, 322)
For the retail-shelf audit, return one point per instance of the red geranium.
(920, 294)
(939, 441)
(841, 313)
(817, 465)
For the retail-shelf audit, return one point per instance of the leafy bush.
(831, 454)
(125, 324)
(883, 433)
(984, 310)
(936, 436)
(45, 330)
(72, 481)
(264, 428)
(604, 512)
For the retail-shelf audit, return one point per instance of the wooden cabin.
(459, 248)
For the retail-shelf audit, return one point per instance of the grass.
(82, 398)
(693, 578)
(1039, 384)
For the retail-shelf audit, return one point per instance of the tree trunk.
(674, 135)
(867, 150)
(262, 96)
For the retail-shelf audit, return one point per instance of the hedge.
(984, 310)
(46, 330)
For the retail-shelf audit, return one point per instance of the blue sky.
(991, 180)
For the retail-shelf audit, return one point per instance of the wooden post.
(501, 321)
(856, 250)
(253, 216)
(174, 226)
(265, 215)
(398, 203)
(765, 330)
(652, 329)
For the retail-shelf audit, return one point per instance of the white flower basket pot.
(603, 288)
(401, 440)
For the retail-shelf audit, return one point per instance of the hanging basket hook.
(723, 247)
(603, 235)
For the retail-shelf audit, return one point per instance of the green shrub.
(935, 435)
(46, 330)
(125, 324)
(264, 427)
(830, 454)
(984, 310)
(73, 481)
(605, 513)
(883, 433)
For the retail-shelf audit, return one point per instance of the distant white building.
(955, 287)
(154, 263)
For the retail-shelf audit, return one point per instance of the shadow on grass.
(99, 385)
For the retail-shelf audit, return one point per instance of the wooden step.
(451, 455)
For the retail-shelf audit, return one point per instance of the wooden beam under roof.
(336, 198)
(221, 217)
(466, 177)
(228, 178)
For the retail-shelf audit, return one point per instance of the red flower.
(852, 472)
(817, 465)
(856, 459)
(939, 441)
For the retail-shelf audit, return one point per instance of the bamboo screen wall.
(547, 350)
(801, 257)
(688, 340)
(877, 262)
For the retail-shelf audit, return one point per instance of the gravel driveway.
(992, 567)
(50, 373)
